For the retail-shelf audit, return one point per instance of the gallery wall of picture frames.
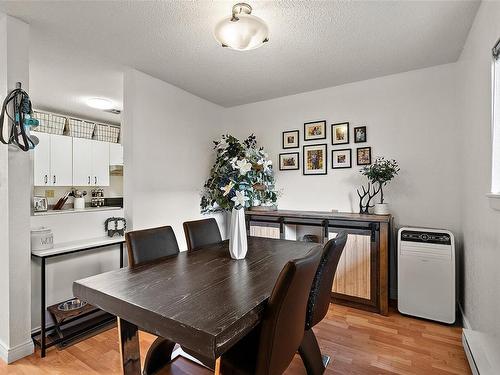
(315, 155)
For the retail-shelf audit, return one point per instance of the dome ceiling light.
(243, 31)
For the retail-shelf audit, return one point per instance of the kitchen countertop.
(67, 247)
(73, 211)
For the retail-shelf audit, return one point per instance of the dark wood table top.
(328, 215)
(202, 300)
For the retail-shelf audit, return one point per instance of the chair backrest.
(201, 233)
(282, 325)
(150, 244)
(321, 289)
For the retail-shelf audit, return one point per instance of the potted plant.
(242, 177)
(381, 172)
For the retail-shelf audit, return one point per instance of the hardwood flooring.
(360, 343)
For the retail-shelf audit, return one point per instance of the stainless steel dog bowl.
(71, 305)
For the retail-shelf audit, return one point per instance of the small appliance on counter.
(426, 273)
(41, 239)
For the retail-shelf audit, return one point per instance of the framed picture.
(289, 161)
(315, 160)
(341, 158)
(340, 133)
(291, 139)
(314, 130)
(360, 134)
(364, 155)
(39, 204)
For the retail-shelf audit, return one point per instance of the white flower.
(244, 166)
(233, 162)
(222, 144)
(266, 163)
(240, 198)
(227, 189)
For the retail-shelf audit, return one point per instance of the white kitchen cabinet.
(52, 160)
(100, 163)
(41, 160)
(82, 162)
(61, 160)
(115, 154)
(90, 162)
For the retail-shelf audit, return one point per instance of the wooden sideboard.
(362, 276)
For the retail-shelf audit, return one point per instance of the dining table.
(202, 300)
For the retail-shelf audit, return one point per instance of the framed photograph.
(315, 160)
(364, 155)
(314, 130)
(291, 139)
(340, 133)
(40, 204)
(341, 158)
(360, 134)
(289, 161)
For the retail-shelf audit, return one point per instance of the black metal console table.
(40, 337)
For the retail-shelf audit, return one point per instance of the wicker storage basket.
(80, 128)
(107, 133)
(50, 123)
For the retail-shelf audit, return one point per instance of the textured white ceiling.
(313, 44)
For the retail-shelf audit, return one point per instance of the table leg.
(217, 366)
(121, 255)
(42, 310)
(129, 347)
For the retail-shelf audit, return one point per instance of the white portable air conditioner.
(426, 273)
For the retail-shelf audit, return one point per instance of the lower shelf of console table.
(361, 280)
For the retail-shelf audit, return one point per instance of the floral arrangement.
(381, 172)
(241, 177)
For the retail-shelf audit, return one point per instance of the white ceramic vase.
(381, 209)
(79, 203)
(238, 234)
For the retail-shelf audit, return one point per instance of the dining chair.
(150, 244)
(270, 348)
(318, 304)
(201, 233)
(145, 246)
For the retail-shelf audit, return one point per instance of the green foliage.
(242, 176)
(382, 171)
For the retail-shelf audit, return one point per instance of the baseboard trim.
(465, 321)
(10, 355)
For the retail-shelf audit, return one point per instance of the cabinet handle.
(95, 179)
(46, 179)
(54, 179)
(89, 180)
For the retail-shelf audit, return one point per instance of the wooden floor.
(359, 343)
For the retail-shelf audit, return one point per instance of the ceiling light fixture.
(100, 103)
(242, 31)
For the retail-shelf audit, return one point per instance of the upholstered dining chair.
(145, 246)
(318, 304)
(270, 348)
(150, 244)
(201, 233)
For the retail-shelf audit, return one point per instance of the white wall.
(167, 138)
(481, 224)
(15, 190)
(410, 117)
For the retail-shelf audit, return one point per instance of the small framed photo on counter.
(315, 160)
(364, 155)
(40, 204)
(360, 134)
(314, 130)
(340, 133)
(291, 139)
(341, 158)
(289, 161)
